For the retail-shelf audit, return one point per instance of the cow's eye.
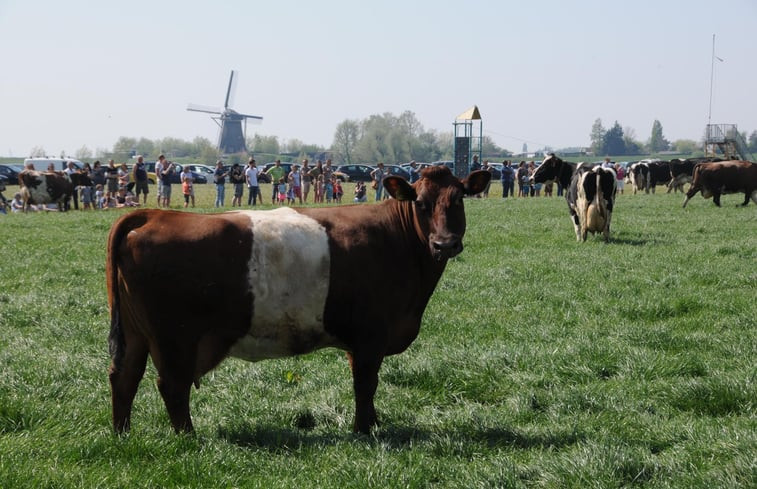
(421, 205)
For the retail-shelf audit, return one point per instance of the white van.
(59, 164)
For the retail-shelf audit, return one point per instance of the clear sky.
(80, 72)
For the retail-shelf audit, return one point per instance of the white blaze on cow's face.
(289, 280)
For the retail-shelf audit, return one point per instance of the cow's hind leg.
(365, 368)
(124, 381)
(175, 378)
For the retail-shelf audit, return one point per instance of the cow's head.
(439, 214)
(552, 169)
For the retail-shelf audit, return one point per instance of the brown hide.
(385, 261)
(725, 177)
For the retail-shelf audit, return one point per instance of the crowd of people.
(520, 175)
(286, 188)
(117, 186)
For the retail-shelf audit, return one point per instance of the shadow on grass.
(630, 241)
(284, 439)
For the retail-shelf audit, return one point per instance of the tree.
(597, 136)
(264, 144)
(633, 147)
(753, 142)
(612, 141)
(124, 147)
(37, 152)
(686, 146)
(345, 139)
(657, 141)
(83, 153)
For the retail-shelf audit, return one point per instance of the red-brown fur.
(386, 260)
(724, 177)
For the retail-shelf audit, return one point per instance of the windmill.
(232, 137)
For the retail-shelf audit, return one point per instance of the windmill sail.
(231, 138)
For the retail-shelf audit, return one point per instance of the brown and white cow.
(682, 171)
(724, 177)
(590, 193)
(38, 187)
(277, 283)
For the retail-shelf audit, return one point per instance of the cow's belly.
(289, 280)
(39, 194)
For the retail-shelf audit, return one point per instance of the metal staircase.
(727, 139)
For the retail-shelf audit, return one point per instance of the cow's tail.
(116, 338)
(595, 214)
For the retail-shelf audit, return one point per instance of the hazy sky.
(78, 72)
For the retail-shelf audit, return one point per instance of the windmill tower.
(231, 138)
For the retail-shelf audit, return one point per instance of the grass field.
(542, 362)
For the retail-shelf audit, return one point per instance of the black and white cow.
(639, 174)
(38, 187)
(590, 193)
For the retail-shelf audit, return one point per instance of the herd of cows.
(400, 246)
(591, 189)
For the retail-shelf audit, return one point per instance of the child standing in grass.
(282, 191)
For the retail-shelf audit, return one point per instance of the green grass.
(542, 362)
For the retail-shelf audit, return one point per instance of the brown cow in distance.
(277, 283)
(724, 177)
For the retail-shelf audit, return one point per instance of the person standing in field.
(415, 174)
(69, 170)
(251, 177)
(522, 176)
(166, 175)
(306, 179)
(187, 186)
(219, 177)
(159, 176)
(507, 178)
(140, 179)
(237, 178)
(620, 175)
(111, 173)
(276, 172)
(377, 176)
(295, 181)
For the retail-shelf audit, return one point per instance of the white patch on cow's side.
(40, 193)
(289, 279)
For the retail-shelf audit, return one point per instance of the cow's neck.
(564, 174)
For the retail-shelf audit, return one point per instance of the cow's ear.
(476, 182)
(399, 189)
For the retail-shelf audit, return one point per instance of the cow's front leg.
(576, 225)
(365, 368)
(716, 198)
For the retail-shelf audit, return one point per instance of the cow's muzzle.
(443, 249)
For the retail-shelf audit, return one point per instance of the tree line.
(617, 141)
(384, 137)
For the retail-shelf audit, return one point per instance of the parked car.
(150, 167)
(356, 173)
(206, 170)
(176, 176)
(11, 171)
(496, 170)
(397, 171)
(447, 163)
(59, 164)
